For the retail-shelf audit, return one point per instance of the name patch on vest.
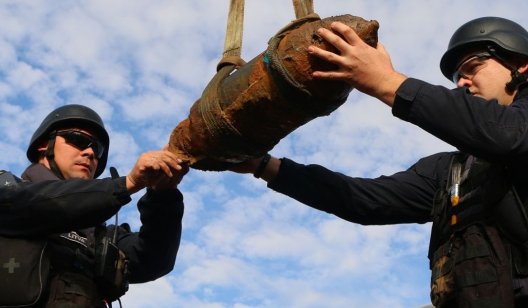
(75, 237)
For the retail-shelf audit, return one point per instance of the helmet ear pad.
(70, 116)
(504, 36)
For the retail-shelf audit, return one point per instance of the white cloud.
(142, 64)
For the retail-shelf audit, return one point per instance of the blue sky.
(141, 65)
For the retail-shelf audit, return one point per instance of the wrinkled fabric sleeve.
(404, 197)
(152, 251)
(42, 208)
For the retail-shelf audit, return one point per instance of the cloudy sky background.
(141, 64)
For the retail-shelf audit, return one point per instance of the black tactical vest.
(474, 216)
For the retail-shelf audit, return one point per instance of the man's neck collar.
(37, 173)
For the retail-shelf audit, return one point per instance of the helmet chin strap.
(518, 78)
(50, 156)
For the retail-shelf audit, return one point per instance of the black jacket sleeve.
(43, 208)
(404, 197)
(152, 251)
(471, 124)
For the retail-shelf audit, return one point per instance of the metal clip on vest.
(454, 191)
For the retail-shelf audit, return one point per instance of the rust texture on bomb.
(244, 112)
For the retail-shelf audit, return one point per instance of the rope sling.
(248, 107)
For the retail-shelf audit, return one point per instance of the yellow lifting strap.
(235, 26)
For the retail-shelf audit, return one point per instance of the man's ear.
(41, 149)
(523, 68)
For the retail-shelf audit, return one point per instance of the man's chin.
(80, 176)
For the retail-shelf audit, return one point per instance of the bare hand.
(158, 170)
(268, 173)
(248, 166)
(366, 68)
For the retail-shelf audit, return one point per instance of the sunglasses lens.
(82, 141)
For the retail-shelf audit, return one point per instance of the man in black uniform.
(60, 200)
(475, 197)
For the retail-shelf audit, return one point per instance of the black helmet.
(71, 116)
(501, 34)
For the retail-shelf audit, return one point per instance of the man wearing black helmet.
(59, 202)
(477, 197)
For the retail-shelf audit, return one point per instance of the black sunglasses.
(82, 141)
